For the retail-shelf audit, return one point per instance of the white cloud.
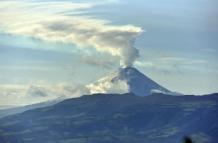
(48, 21)
(105, 85)
(18, 95)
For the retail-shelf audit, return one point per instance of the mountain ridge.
(117, 118)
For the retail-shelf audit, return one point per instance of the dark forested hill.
(114, 118)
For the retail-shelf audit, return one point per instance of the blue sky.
(176, 40)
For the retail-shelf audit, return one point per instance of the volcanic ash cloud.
(84, 32)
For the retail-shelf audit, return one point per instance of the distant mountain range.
(117, 118)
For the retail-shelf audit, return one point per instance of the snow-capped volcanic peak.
(125, 80)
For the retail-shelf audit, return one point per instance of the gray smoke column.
(129, 54)
(120, 42)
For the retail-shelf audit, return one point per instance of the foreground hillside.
(116, 118)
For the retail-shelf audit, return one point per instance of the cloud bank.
(50, 21)
(106, 85)
(19, 95)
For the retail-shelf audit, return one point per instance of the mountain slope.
(123, 118)
(126, 80)
(20, 109)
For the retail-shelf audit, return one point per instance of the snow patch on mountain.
(108, 85)
(125, 80)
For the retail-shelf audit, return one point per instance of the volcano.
(127, 80)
